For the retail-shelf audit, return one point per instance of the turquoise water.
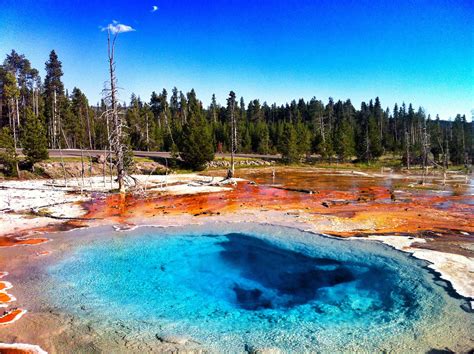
(227, 287)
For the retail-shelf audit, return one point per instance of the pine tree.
(334, 128)
(345, 147)
(174, 155)
(11, 93)
(35, 144)
(458, 141)
(136, 123)
(289, 145)
(28, 82)
(264, 138)
(304, 139)
(362, 133)
(54, 93)
(9, 157)
(326, 148)
(376, 148)
(80, 129)
(246, 141)
(70, 129)
(213, 108)
(196, 143)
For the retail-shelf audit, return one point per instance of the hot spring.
(237, 287)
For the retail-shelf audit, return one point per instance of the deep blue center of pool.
(272, 277)
(229, 288)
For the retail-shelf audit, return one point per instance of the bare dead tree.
(107, 149)
(233, 133)
(17, 112)
(440, 144)
(407, 145)
(62, 163)
(425, 150)
(321, 128)
(115, 136)
(367, 144)
(446, 154)
(36, 98)
(233, 139)
(89, 133)
(82, 170)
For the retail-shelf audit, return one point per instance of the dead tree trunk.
(233, 140)
(443, 154)
(82, 170)
(233, 133)
(425, 147)
(13, 122)
(35, 101)
(446, 155)
(62, 164)
(407, 143)
(90, 143)
(17, 112)
(116, 136)
(89, 128)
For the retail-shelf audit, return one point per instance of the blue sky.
(419, 51)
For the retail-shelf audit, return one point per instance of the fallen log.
(300, 190)
(26, 188)
(57, 217)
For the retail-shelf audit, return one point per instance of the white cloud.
(116, 27)
(154, 8)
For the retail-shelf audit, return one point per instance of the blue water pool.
(228, 287)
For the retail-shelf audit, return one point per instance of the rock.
(172, 339)
(74, 169)
(255, 350)
(149, 167)
(222, 163)
(99, 158)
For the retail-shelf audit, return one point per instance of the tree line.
(38, 114)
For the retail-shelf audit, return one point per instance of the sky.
(418, 51)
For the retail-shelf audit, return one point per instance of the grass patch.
(65, 159)
(142, 159)
(227, 158)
